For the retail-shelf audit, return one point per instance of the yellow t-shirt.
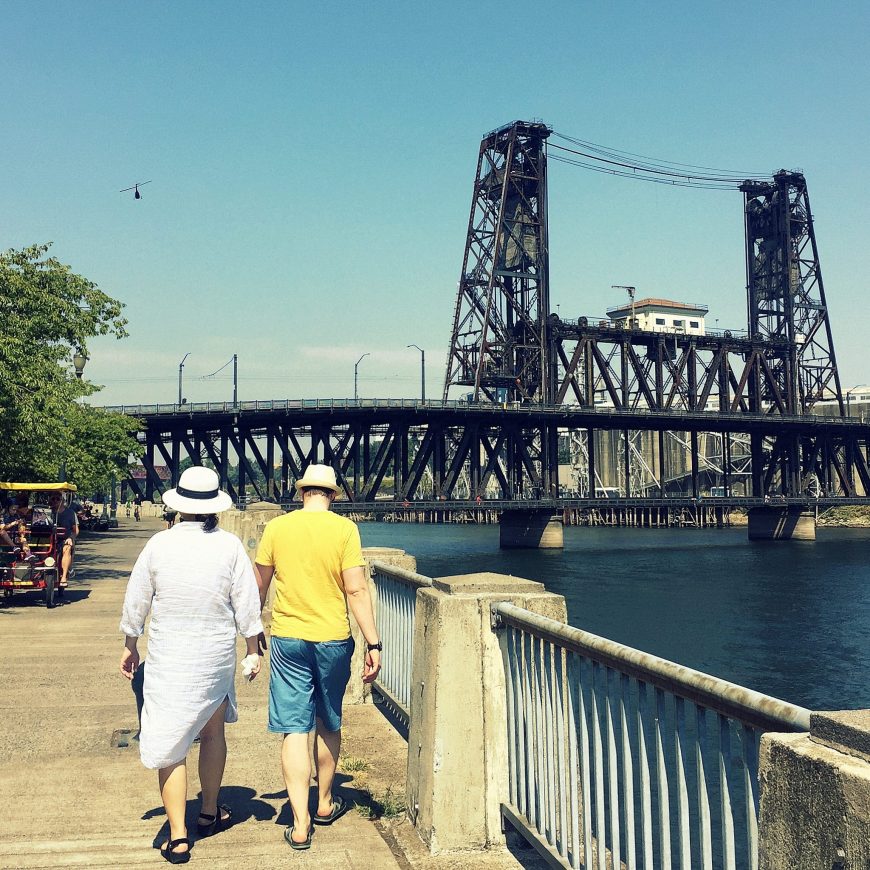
(309, 550)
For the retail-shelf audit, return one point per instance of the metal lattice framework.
(499, 341)
(786, 295)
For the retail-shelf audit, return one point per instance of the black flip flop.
(339, 807)
(176, 857)
(299, 847)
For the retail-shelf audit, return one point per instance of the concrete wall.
(815, 795)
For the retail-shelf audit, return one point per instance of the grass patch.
(352, 764)
(383, 806)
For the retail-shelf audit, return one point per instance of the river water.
(788, 619)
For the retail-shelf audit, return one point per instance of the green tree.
(47, 315)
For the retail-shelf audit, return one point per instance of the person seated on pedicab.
(11, 529)
(65, 517)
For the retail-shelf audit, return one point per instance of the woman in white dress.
(198, 583)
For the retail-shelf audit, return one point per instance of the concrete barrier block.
(457, 743)
(815, 796)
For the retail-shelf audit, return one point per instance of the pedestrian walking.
(316, 560)
(198, 584)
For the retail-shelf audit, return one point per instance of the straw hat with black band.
(198, 492)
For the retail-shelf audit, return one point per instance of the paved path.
(69, 799)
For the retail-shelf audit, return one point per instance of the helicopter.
(135, 189)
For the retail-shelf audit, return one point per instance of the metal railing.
(530, 409)
(618, 757)
(396, 598)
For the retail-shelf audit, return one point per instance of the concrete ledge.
(845, 730)
(486, 582)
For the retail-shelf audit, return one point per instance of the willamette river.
(788, 619)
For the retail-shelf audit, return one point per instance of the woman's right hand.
(129, 662)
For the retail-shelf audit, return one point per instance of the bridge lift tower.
(499, 345)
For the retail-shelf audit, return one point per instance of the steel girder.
(513, 454)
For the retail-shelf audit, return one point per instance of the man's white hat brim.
(185, 505)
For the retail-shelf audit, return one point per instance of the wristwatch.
(378, 646)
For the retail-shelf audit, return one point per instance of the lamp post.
(180, 375)
(422, 371)
(79, 360)
(356, 375)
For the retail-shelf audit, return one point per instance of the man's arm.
(264, 581)
(356, 586)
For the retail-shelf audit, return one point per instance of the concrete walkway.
(70, 799)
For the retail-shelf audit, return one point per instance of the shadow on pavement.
(243, 801)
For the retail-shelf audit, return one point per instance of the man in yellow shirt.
(316, 559)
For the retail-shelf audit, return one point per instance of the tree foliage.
(47, 315)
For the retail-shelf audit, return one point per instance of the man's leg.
(296, 767)
(66, 560)
(326, 748)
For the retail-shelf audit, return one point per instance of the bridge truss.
(406, 451)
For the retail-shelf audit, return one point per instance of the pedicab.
(30, 550)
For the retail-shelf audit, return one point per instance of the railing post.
(458, 741)
(815, 795)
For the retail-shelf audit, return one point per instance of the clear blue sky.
(312, 168)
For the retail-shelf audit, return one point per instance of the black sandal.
(176, 857)
(299, 847)
(218, 822)
(339, 807)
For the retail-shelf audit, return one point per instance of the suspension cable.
(625, 164)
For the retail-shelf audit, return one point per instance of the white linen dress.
(200, 589)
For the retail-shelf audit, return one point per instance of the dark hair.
(209, 521)
(320, 490)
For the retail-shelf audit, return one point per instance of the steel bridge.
(405, 450)
(634, 412)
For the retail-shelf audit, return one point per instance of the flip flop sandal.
(176, 857)
(339, 807)
(218, 823)
(299, 847)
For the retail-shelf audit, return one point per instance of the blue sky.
(312, 167)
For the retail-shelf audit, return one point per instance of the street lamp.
(79, 360)
(356, 376)
(422, 371)
(180, 373)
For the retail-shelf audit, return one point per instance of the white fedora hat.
(319, 475)
(198, 492)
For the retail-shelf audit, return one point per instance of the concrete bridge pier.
(531, 529)
(782, 523)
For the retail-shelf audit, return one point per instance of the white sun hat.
(319, 475)
(198, 492)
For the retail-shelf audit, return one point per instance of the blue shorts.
(307, 679)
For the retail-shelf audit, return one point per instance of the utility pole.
(422, 371)
(180, 374)
(631, 291)
(356, 375)
(235, 379)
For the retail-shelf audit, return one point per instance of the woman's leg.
(173, 790)
(212, 759)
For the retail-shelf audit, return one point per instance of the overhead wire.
(626, 164)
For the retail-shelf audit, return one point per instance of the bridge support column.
(531, 529)
(815, 795)
(457, 741)
(771, 523)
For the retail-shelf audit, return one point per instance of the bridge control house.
(660, 315)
